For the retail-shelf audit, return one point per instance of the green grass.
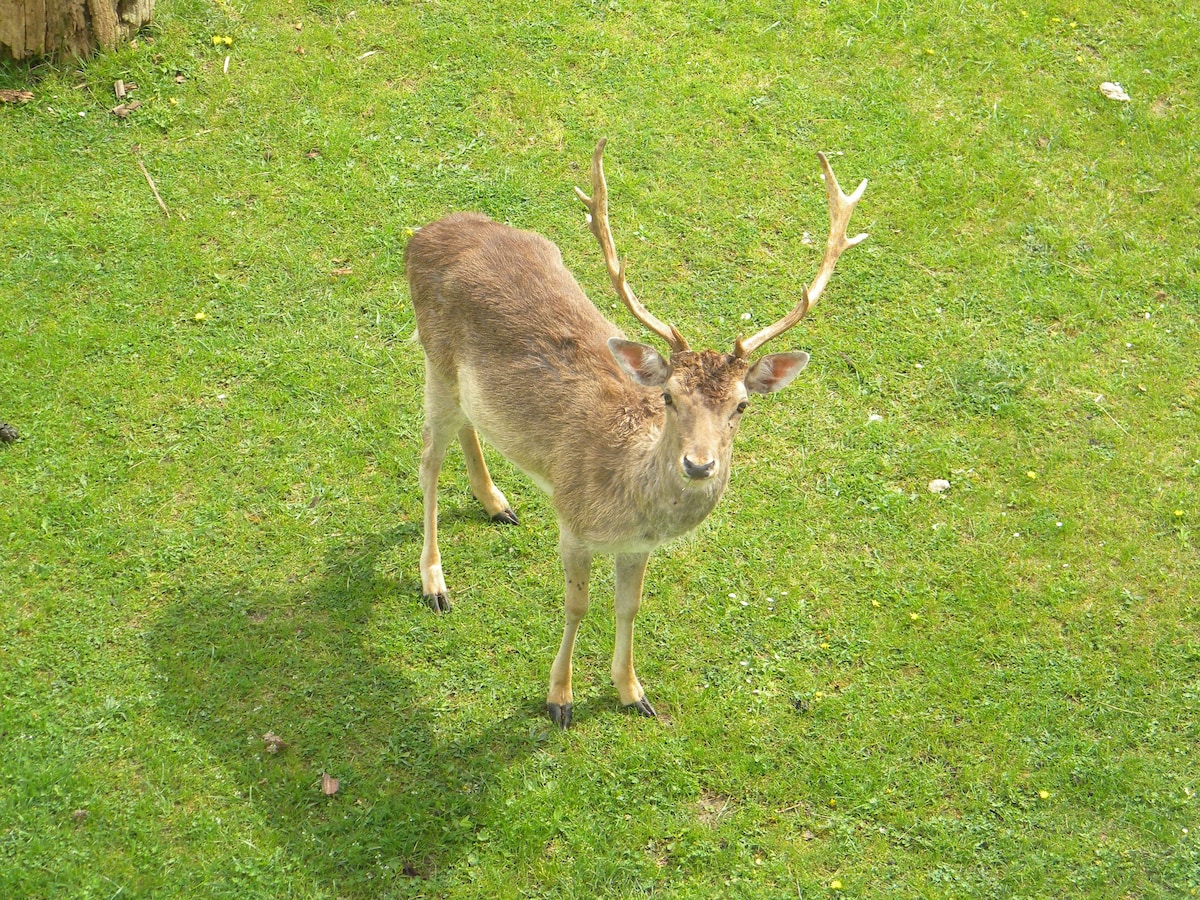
(210, 527)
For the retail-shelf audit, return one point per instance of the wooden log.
(30, 28)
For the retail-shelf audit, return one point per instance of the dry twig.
(153, 188)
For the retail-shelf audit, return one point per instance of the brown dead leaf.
(329, 784)
(180, 78)
(79, 816)
(274, 742)
(342, 270)
(125, 109)
(313, 153)
(7, 96)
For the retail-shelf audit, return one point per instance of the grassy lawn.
(210, 526)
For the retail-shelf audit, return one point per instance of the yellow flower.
(914, 616)
(200, 316)
(1045, 795)
(1031, 475)
(1178, 513)
(835, 885)
(216, 40)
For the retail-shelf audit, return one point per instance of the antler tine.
(840, 209)
(597, 206)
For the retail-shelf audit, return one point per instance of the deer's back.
(491, 294)
(507, 327)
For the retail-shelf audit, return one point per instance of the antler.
(840, 208)
(597, 206)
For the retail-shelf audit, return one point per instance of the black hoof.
(439, 603)
(506, 517)
(642, 707)
(560, 714)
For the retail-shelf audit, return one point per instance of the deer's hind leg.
(442, 419)
(482, 486)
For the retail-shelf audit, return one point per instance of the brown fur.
(708, 373)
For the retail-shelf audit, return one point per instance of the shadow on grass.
(298, 663)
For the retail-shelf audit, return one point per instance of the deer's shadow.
(304, 664)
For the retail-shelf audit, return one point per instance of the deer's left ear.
(775, 371)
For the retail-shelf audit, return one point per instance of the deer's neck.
(643, 501)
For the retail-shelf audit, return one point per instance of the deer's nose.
(699, 471)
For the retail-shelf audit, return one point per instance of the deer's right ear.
(640, 361)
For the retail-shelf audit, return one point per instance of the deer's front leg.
(631, 569)
(577, 570)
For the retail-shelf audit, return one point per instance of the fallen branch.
(154, 188)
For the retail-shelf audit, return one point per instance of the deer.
(633, 448)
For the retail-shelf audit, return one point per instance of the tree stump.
(68, 27)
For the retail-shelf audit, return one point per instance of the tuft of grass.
(211, 522)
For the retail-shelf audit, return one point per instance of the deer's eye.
(668, 400)
(741, 407)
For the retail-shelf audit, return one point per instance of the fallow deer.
(633, 449)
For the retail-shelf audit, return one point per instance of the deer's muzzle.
(699, 471)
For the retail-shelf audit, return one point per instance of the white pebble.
(874, 417)
(939, 486)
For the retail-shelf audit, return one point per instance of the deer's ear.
(640, 361)
(775, 371)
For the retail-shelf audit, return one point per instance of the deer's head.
(705, 392)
